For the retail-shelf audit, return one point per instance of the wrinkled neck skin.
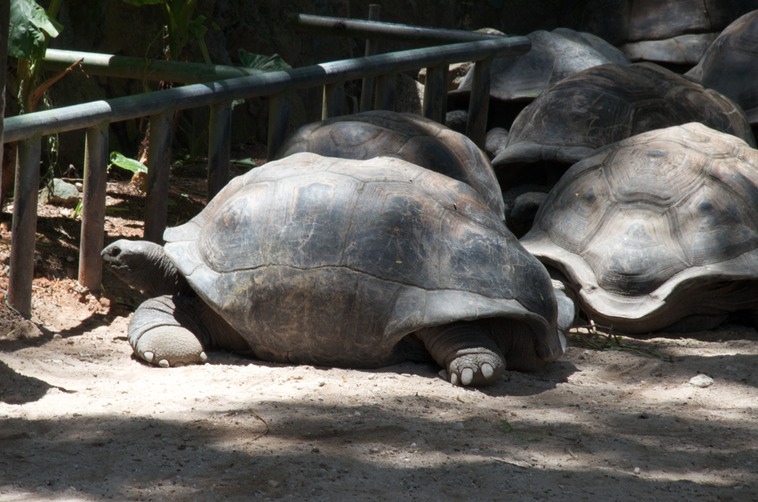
(165, 279)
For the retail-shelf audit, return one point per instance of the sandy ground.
(81, 420)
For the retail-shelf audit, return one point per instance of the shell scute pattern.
(661, 213)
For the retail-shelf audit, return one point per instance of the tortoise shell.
(515, 82)
(605, 104)
(321, 260)
(655, 229)
(411, 137)
(675, 31)
(730, 65)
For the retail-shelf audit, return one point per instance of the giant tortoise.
(517, 81)
(656, 232)
(730, 64)
(336, 262)
(411, 137)
(599, 106)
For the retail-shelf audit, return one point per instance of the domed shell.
(605, 104)
(320, 260)
(656, 228)
(554, 56)
(730, 64)
(413, 138)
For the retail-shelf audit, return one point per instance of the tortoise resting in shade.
(408, 136)
(657, 232)
(336, 262)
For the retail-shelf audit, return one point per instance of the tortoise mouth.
(112, 260)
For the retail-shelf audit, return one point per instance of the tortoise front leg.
(466, 350)
(161, 334)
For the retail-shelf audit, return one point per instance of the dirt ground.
(662, 418)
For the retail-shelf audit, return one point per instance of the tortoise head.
(144, 266)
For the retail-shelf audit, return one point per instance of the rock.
(701, 381)
(60, 193)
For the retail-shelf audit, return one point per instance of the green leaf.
(262, 62)
(29, 29)
(245, 163)
(124, 162)
(505, 426)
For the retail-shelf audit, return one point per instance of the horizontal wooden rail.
(85, 115)
(377, 30)
(108, 65)
(94, 117)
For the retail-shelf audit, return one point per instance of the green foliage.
(78, 210)
(262, 63)
(119, 160)
(181, 26)
(30, 28)
(591, 338)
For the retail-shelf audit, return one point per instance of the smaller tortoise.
(516, 82)
(416, 139)
(336, 262)
(656, 232)
(674, 32)
(607, 103)
(730, 64)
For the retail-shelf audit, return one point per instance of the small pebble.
(637, 470)
(457, 426)
(701, 381)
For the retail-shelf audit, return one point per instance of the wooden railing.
(228, 84)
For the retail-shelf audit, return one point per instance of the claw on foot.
(476, 366)
(467, 350)
(169, 347)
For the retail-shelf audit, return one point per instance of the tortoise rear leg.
(161, 334)
(466, 350)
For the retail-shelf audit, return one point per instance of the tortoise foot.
(476, 366)
(158, 337)
(466, 350)
(169, 347)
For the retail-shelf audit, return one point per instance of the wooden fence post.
(372, 47)
(435, 93)
(158, 173)
(479, 102)
(219, 147)
(93, 207)
(24, 225)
